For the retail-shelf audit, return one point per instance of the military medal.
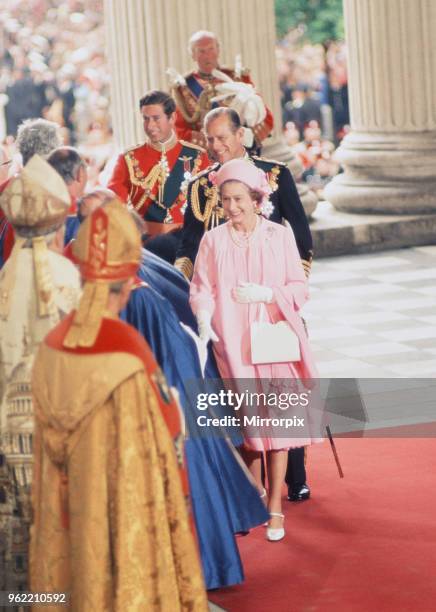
(187, 174)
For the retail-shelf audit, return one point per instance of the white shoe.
(274, 535)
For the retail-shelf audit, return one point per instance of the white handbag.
(273, 343)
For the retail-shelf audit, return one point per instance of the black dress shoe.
(299, 494)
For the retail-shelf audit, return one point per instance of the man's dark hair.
(67, 162)
(159, 97)
(223, 111)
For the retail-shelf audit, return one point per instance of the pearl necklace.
(242, 239)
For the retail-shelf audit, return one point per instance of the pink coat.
(270, 259)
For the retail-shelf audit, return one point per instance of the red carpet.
(364, 543)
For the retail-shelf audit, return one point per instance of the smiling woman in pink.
(249, 270)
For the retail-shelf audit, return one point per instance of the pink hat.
(246, 172)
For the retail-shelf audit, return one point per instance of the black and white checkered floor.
(374, 315)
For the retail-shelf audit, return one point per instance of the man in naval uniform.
(153, 177)
(225, 141)
(196, 94)
(225, 136)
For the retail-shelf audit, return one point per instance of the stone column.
(145, 37)
(389, 157)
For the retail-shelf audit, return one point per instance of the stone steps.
(338, 233)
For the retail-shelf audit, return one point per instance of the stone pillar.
(145, 37)
(389, 157)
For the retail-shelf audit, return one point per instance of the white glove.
(201, 346)
(205, 330)
(247, 293)
(175, 79)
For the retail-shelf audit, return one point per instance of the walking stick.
(335, 453)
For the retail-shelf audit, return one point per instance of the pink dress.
(269, 258)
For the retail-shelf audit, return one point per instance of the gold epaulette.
(204, 172)
(137, 146)
(184, 265)
(269, 161)
(185, 143)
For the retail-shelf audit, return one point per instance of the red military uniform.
(155, 180)
(194, 101)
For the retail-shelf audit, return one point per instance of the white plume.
(246, 102)
(175, 78)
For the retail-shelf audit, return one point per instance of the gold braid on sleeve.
(211, 210)
(307, 265)
(184, 265)
(195, 202)
(208, 212)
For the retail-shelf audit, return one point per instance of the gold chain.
(211, 202)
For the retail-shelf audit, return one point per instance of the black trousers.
(295, 471)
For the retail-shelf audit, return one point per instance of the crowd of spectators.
(315, 115)
(52, 65)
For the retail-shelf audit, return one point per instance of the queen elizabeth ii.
(248, 270)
